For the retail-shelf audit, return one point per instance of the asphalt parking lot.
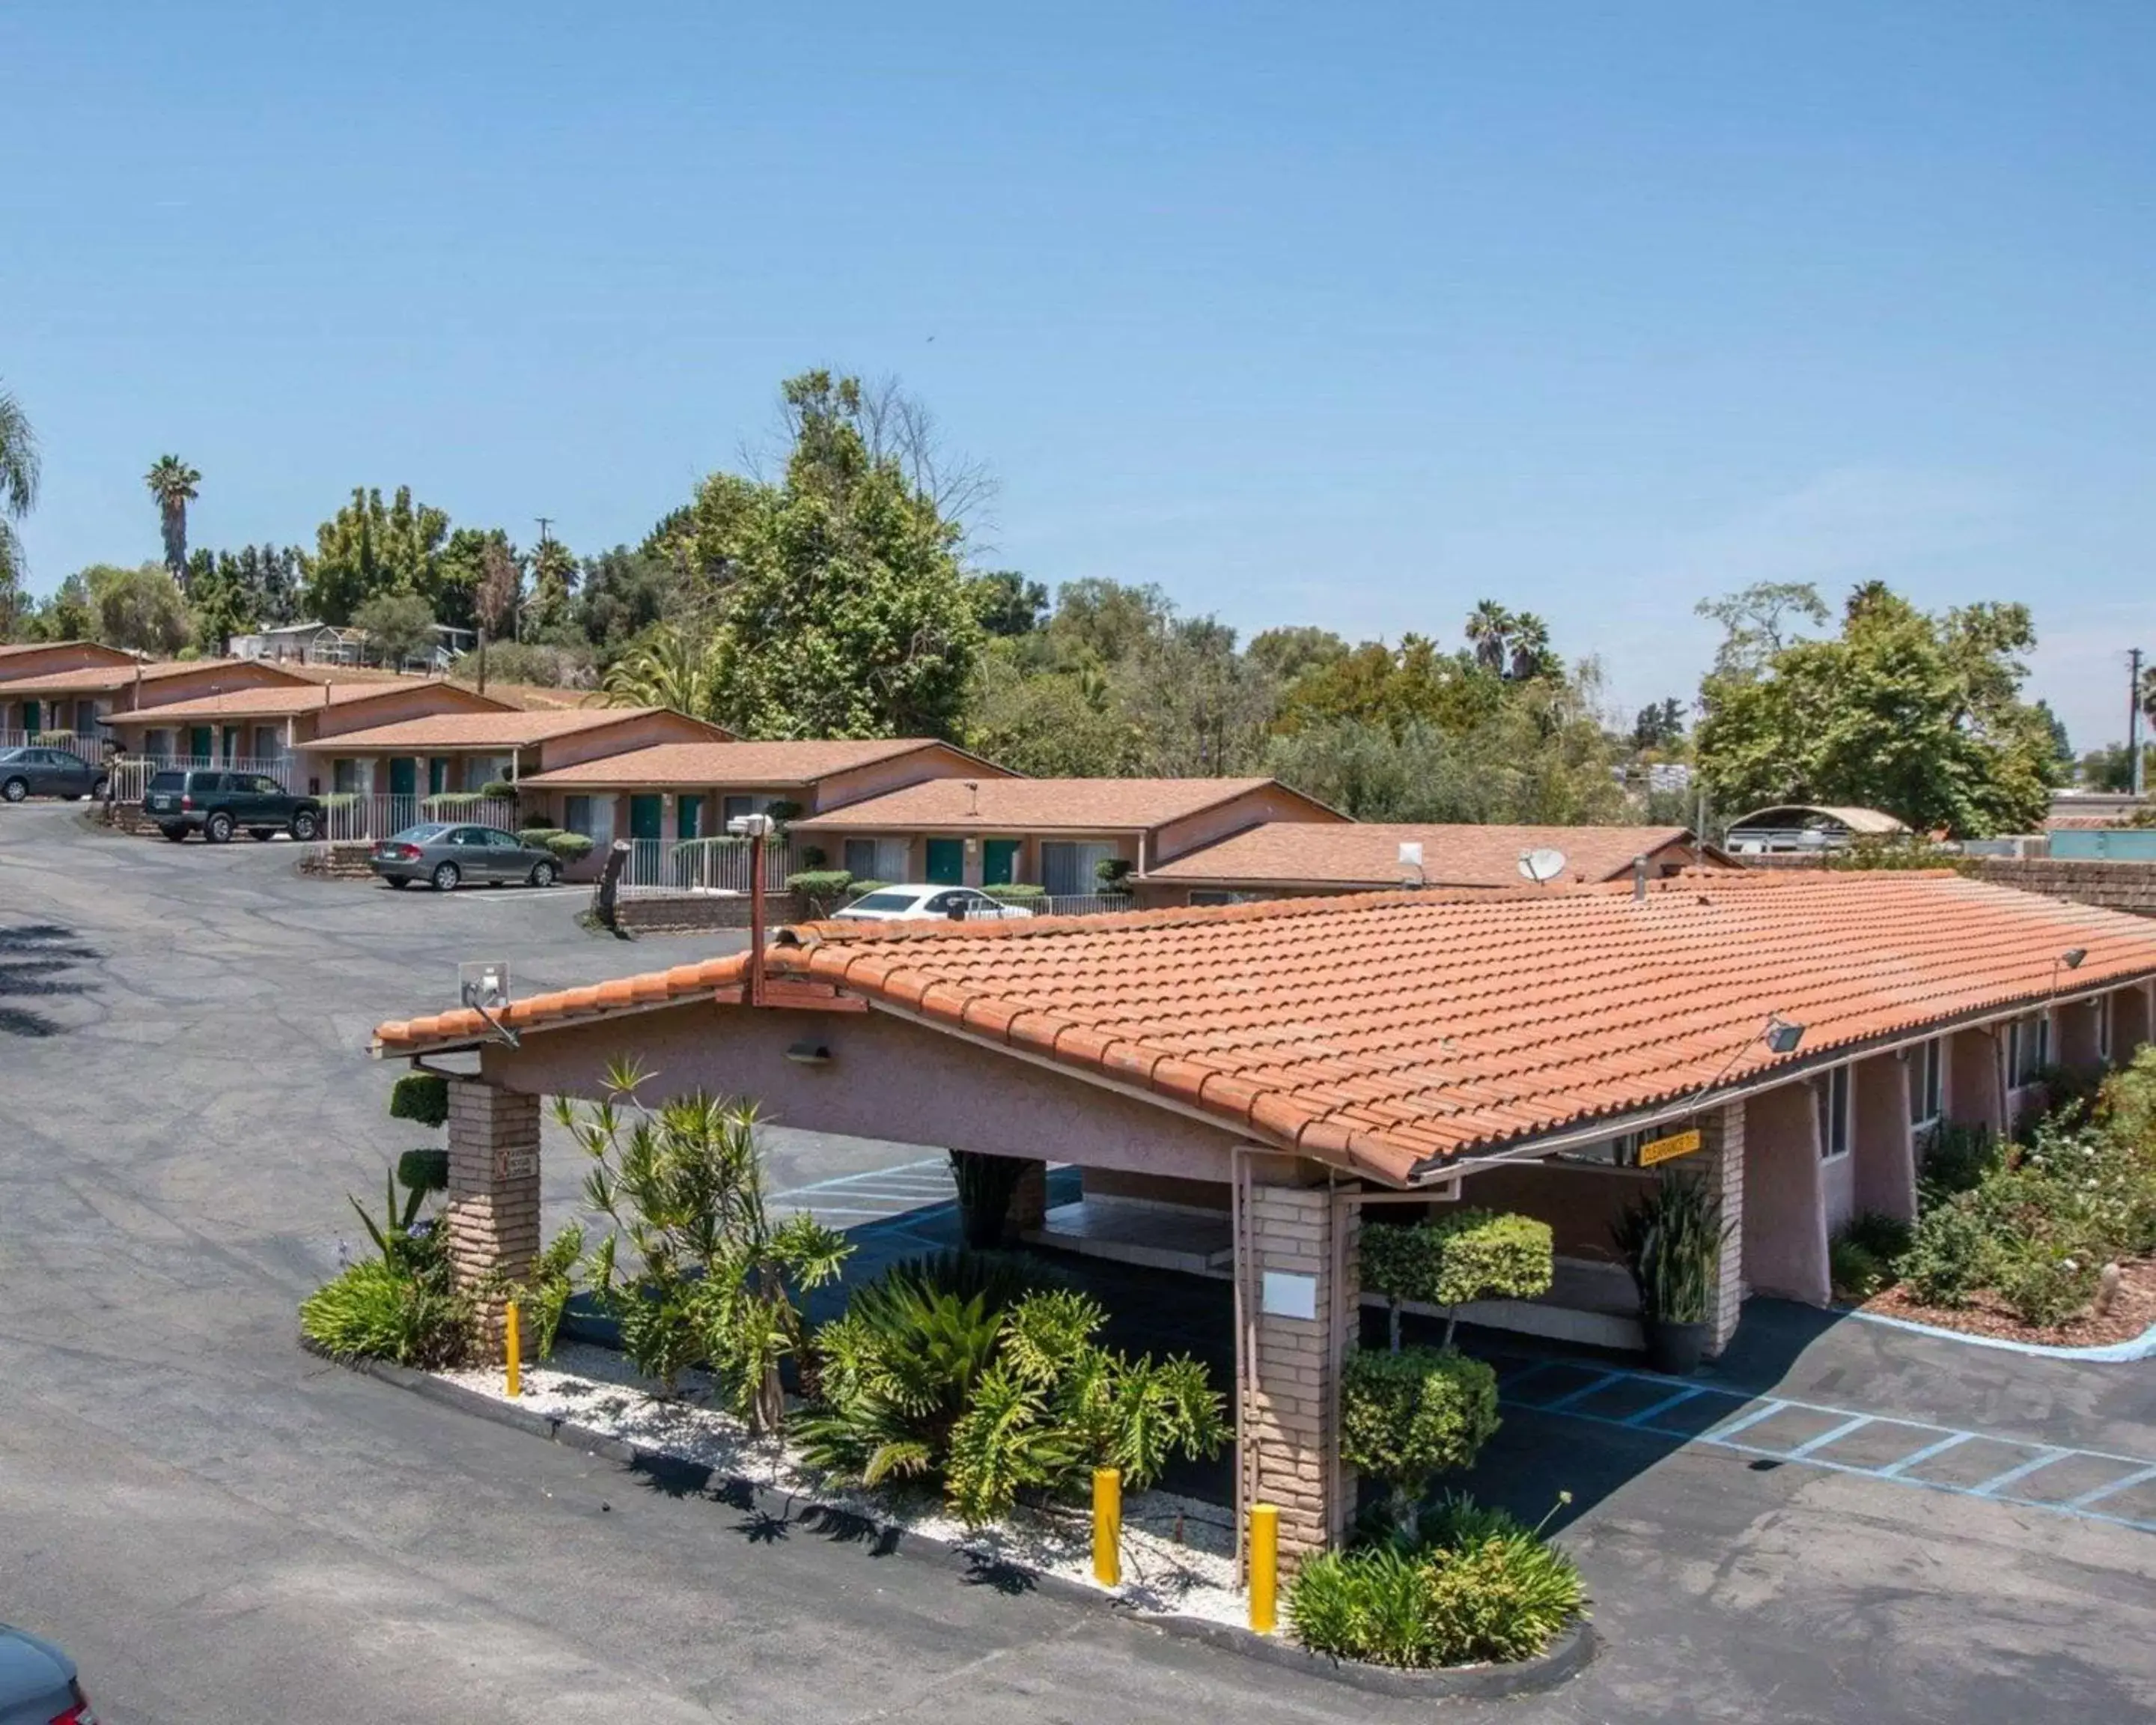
(224, 1529)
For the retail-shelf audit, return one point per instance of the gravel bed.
(1178, 1553)
(2131, 1313)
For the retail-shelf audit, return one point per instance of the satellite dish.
(1542, 866)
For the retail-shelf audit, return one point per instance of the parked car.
(447, 855)
(930, 904)
(218, 803)
(37, 1683)
(33, 770)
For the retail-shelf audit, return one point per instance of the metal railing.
(1077, 904)
(130, 775)
(1750, 841)
(684, 868)
(349, 818)
(76, 742)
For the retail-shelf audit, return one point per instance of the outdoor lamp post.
(754, 828)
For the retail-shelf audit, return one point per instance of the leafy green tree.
(553, 583)
(399, 626)
(1201, 709)
(1916, 714)
(669, 668)
(458, 571)
(18, 497)
(142, 609)
(1105, 622)
(1659, 725)
(1759, 622)
(173, 484)
(623, 593)
(1050, 724)
(365, 549)
(1284, 654)
(67, 614)
(844, 611)
(1007, 604)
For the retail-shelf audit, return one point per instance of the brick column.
(1029, 1204)
(1290, 1399)
(492, 1216)
(1722, 1156)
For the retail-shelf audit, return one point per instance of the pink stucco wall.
(887, 1079)
(613, 739)
(1785, 1210)
(1268, 803)
(1885, 1169)
(1973, 1080)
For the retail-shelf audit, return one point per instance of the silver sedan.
(447, 855)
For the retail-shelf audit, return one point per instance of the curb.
(2141, 1347)
(1565, 1658)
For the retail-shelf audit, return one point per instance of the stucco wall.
(614, 739)
(1785, 1212)
(837, 789)
(1581, 1204)
(887, 1079)
(57, 656)
(1158, 1189)
(1884, 1174)
(420, 700)
(1268, 803)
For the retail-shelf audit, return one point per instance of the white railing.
(130, 775)
(76, 742)
(348, 819)
(684, 868)
(1079, 904)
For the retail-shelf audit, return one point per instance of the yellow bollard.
(1108, 1526)
(1265, 1566)
(515, 1342)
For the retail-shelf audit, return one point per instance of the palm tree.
(172, 483)
(1489, 625)
(19, 486)
(670, 669)
(1530, 645)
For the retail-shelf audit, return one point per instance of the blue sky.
(1347, 314)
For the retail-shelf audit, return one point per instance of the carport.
(1289, 1065)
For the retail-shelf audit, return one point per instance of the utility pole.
(2133, 720)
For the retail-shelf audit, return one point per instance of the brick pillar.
(492, 1216)
(1290, 1398)
(1029, 1204)
(1722, 1153)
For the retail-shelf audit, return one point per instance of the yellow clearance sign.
(1668, 1149)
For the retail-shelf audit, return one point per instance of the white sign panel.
(1289, 1295)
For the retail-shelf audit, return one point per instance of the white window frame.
(1840, 1080)
(1928, 1082)
(2104, 1003)
(2032, 1030)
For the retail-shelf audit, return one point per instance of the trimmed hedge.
(819, 883)
(1406, 1416)
(1019, 894)
(570, 847)
(1470, 1254)
(500, 789)
(423, 1096)
(539, 838)
(423, 1170)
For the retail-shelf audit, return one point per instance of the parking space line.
(2142, 1477)
(1722, 1434)
(1894, 1470)
(1990, 1488)
(1581, 1394)
(1663, 1407)
(1826, 1438)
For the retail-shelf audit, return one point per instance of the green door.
(31, 726)
(201, 740)
(947, 862)
(645, 820)
(438, 775)
(999, 862)
(403, 776)
(692, 816)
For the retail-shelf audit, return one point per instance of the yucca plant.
(1671, 1239)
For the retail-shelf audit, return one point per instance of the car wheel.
(262, 835)
(399, 881)
(305, 826)
(543, 874)
(177, 834)
(446, 877)
(98, 788)
(217, 828)
(15, 789)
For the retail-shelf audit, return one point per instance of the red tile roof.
(105, 679)
(745, 763)
(278, 701)
(1387, 1032)
(1290, 853)
(513, 729)
(1041, 805)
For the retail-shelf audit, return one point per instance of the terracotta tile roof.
(1367, 854)
(515, 728)
(1388, 1031)
(105, 679)
(531, 696)
(748, 763)
(278, 701)
(1037, 805)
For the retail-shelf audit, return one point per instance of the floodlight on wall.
(1782, 1035)
(2072, 956)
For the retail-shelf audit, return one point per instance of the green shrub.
(378, 1310)
(423, 1170)
(812, 857)
(451, 805)
(822, 891)
(423, 1096)
(1371, 1605)
(1671, 1238)
(1450, 1261)
(1885, 1237)
(498, 790)
(1855, 1270)
(1956, 1159)
(1503, 1597)
(862, 889)
(536, 838)
(1017, 893)
(1951, 1254)
(554, 1278)
(2048, 1280)
(1112, 873)
(569, 847)
(1407, 1416)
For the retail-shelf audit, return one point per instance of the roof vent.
(1411, 873)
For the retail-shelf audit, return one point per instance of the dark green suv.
(218, 804)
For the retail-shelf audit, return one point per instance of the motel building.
(1239, 1086)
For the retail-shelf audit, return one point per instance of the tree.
(1049, 725)
(18, 497)
(233, 592)
(1659, 725)
(671, 667)
(1757, 622)
(1488, 626)
(1284, 654)
(845, 613)
(553, 582)
(172, 483)
(1007, 604)
(142, 609)
(1918, 715)
(623, 593)
(365, 549)
(1200, 708)
(500, 586)
(399, 626)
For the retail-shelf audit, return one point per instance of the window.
(1069, 870)
(577, 815)
(1927, 1082)
(2028, 1049)
(1833, 1093)
(344, 776)
(877, 859)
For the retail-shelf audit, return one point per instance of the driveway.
(224, 1529)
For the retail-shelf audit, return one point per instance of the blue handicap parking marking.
(2092, 1485)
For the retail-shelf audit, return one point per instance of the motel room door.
(947, 862)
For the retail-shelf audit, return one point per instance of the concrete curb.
(1565, 1658)
(2141, 1347)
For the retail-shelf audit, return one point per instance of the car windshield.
(426, 834)
(885, 901)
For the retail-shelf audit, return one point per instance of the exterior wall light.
(2072, 956)
(1782, 1035)
(808, 1054)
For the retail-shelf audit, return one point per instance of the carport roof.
(1387, 1033)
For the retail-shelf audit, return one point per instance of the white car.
(929, 904)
